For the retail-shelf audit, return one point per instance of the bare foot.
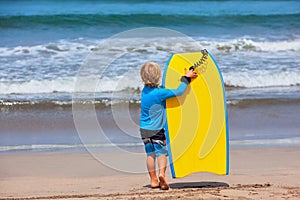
(163, 183)
(154, 184)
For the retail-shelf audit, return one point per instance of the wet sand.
(252, 123)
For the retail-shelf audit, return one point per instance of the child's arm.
(185, 80)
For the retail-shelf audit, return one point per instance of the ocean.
(46, 45)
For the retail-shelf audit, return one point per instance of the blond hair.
(151, 74)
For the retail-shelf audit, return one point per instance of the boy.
(152, 119)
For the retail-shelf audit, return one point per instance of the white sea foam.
(56, 147)
(258, 79)
(79, 46)
(244, 44)
(295, 141)
(105, 84)
(262, 79)
(53, 67)
(35, 86)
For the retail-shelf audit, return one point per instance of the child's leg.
(162, 164)
(152, 172)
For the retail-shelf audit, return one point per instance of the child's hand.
(190, 73)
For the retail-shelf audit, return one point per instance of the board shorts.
(156, 144)
(157, 149)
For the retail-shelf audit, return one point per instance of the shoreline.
(131, 96)
(136, 147)
(254, 174)
(257, 123)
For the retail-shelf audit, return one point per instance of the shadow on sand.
(198, 185)
(207, 184)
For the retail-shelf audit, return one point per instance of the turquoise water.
(31, 22)
(43, 43)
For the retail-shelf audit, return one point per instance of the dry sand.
(271, 173)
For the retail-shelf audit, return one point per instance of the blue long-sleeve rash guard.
(153, 105)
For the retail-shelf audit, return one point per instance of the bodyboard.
(197, 122)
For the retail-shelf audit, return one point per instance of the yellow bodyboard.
(197, 122)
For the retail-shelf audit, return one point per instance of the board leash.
(201, 65)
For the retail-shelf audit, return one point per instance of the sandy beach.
(270, 173)
(257, 171)
(47, 47)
